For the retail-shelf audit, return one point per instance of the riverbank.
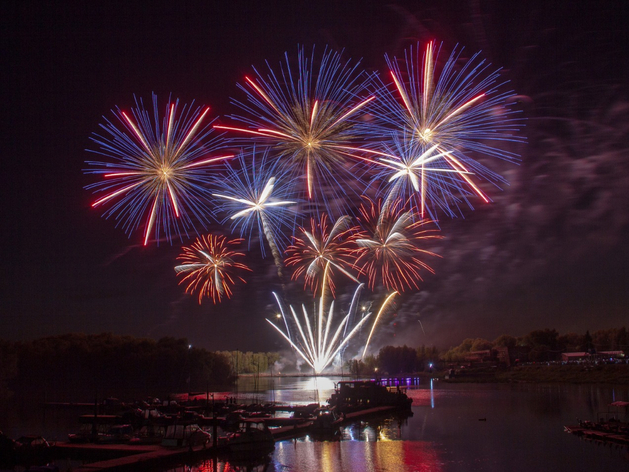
(542, 373)
(530, 373)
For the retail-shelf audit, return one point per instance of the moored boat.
(93, 427)
(186, 435)
(252, 435)
(149, 434)
(326, 419)
(355, 395)
(117, 434)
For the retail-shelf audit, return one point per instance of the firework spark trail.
(309, 117)
(254, 196)
(319, 342)
(209, 265)
(392, 253)
(423, 177)
(438, 121)
(156, 172)
(322, 247)
(373, 327)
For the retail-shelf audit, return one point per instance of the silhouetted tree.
(426, 355)
(570, 342)
(458, 353)
(613, 339)
(79, 365)
(395, 360)
(355, 367)
(505, 340)
(543, 344)
(588, 345)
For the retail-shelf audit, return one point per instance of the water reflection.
(485, 427)
(521, 431)
(287, 389)
(322, 388)
(218, 465)
(356, 456)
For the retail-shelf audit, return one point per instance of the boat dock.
(301, 429)
(352, 401)
(593, 433)
(120, 457)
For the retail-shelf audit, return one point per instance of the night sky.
(551, 251)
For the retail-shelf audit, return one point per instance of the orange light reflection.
(358, 456)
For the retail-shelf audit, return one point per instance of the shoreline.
(616, 374)
(612, 374)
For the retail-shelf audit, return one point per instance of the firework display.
(209, 267)
(156, 170)
(439, 119)
(375, 322)
(254, 198)
(320, 339)
(322, 247)
(411, 171)
(392, 255)
(306, 138)
(310, 116)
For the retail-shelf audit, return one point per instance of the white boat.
(185, 435)
(252, 435)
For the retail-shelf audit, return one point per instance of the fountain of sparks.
(320, 339)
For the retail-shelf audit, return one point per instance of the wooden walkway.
(136, 456)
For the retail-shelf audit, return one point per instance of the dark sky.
(550, 252)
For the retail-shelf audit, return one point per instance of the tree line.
(394, 360)
(252, 362)
(78, 366)
(73, 366)
(546, 344)
(537, 346)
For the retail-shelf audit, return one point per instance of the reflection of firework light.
(309, 116)
(321, 246)
(442, 122)
(156, 171)
(209, 264)
(392, 254)
(254, 196)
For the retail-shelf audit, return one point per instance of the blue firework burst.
(311, 116)
(440, 123)
(156, 169)
(256, 196)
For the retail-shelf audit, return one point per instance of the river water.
(454, 427)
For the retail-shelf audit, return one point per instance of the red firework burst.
(393, 254)
(321, 246)
(210, 266)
